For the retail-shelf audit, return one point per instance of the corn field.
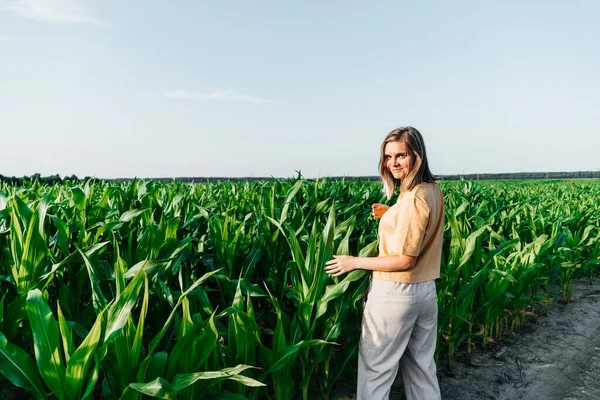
(217, 291)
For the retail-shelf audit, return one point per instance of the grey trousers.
(399, 328)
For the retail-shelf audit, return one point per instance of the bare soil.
(554, 356)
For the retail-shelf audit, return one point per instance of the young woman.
(399, 326)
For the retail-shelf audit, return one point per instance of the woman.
(399, 324)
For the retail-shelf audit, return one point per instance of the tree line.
(54, 179)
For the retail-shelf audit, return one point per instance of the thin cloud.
(220, 95)
(4, 38)
(54, 11)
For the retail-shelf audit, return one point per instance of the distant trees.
(54, 179)
(48, 180)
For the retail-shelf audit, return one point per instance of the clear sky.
(265, 88)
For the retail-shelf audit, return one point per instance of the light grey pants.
(399, 327)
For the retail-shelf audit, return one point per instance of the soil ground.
(554, 356)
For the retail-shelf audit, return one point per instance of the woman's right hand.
(379, 210)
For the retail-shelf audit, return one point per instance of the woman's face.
(399, 160)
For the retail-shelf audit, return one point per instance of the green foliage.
(184, 291)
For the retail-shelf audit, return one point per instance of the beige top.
(414, 226)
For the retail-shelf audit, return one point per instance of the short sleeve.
(411, 224)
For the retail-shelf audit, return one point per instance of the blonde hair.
(420, 171)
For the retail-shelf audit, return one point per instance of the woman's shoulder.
(429, 192)
(425, 189)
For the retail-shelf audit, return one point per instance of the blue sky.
(247, 88)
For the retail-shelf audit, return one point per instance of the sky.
(268, 88)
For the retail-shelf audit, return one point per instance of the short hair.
(420, 171)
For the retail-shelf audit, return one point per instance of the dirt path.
(557, 356)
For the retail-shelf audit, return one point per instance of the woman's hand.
(340, 265)
(379, 210)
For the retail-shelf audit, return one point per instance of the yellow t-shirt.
(414, 226)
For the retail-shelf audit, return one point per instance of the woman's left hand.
(340, 265)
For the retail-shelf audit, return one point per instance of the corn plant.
(217, 290)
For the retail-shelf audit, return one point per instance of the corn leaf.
(183, 381)
(19, 368)
(79, 363)
(120, 311)
(46, 342)
(158, 388)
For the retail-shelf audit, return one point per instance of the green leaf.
(18, 367)
(471, 244)
(156, 340)
(183, 381)
(93, 379)
(283, 355)
(79, 363)
(291, 194)
(369, 250)
(158, 365)
(137, 347)
(120, 311)
(65, 334)
(150, 266)
(98, 299)
(62, 230)
(334, 291)
(35, 250)
(158, 388)
(88, 251)
(46, 342)
(131, 214)
(205, 341)
(79, 198)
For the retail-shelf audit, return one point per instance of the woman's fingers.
(334, 267)
(331, 266)
(332, 270)
(339, 265)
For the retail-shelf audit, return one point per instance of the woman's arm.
(343, 264)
